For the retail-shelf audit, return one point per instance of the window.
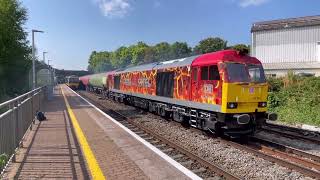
(214, 73)
(204, 73)
(237, 72)
(256, 73)
(195, 74)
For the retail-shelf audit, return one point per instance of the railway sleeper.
(178, 156)
(200, 170)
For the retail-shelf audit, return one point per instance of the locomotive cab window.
(204, 73)
(195, 74)
(210, 73)
(214, 73)
(256, 73)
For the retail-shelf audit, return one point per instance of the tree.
(143, 53)
(210, 45)
(149, 55)
(15, 60)
(121, 57)
(138, 52)
(100, 61)
(162, 51)
(242, 48)
(179, 50)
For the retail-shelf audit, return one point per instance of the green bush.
(295, 99)
(3, 160)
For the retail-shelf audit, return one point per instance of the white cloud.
(246, 3)
(156, 4)
(114, 8)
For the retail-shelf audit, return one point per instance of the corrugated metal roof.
(143, 67)
(159, 65)
(175, 63)
(300, 65)
(286, 23)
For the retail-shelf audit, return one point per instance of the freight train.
(223, 92)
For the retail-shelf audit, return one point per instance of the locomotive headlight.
(262, 104)
(232, 105)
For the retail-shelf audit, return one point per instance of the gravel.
(238, 162)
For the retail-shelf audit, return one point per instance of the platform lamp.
(44, 56)
(33, 59)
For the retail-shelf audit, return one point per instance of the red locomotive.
(224, 91)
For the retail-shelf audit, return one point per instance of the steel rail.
(282, 162)
(287, 149)
(291, 156)
(213, 167)
(289, 134)
(293, 129)
(261, 154)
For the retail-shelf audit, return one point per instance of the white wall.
(286, 45)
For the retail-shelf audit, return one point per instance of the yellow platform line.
(94, 167)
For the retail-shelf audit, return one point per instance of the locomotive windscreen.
(116, 82)
(165, 82)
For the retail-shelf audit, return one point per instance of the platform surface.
(52, 149)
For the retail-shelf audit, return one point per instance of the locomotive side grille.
(165, 84)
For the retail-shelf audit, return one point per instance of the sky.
(75, 28)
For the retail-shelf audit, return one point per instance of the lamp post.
(44, 56)
(33, 59)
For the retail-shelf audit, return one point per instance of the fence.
(16, 116)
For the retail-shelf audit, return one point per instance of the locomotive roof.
(160, 65)
(143, 67)
(224, 56)
(175, 63)
(205, 59)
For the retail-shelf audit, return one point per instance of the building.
(288, 44)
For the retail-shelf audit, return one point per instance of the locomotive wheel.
(162, 112)
(177, 117)
(150, 108)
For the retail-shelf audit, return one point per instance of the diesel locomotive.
(224, 91)
(73, 81)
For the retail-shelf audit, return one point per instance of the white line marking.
(174, 163)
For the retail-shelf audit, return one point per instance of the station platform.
(79, 141)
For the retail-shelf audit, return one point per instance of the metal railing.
(16, 116)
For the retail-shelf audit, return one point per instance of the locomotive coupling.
(242, 118)
(272, 116)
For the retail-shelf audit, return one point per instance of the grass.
(295, 99)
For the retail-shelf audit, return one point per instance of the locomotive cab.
(234, 87)
(73, 82)
(244, 97)
(244, 88)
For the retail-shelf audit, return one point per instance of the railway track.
(196, 164)
(291, 158)
(293, 133)
(285, 156)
